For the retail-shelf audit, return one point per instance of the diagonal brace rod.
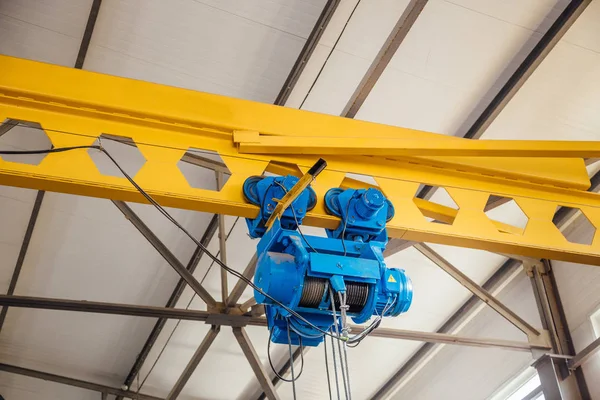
(166, 253)
(478, 291)
(240, 286)
(185, 376)
(13, 369)
(257, 366)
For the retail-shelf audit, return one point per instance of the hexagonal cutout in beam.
(580, 230)
(201, 169)
(123, 149)
(506, 215)
(277, 168)
(23, 136)
(440, 208)
(359, 181)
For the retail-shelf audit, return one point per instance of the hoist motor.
(306, 274)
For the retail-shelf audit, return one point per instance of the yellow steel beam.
(75, 107)
(254, 143)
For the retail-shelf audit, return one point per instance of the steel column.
(554, 379)
(210, 337)
(572, 386)
(166, 253)
(13, 369)
(257, 366)
(534, 394)
(11, 123)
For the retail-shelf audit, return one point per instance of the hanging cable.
(337, 383)
(347, 369)
(291, 359)
(277, 374)
(343, 310)
(327, 369)
(337, 333)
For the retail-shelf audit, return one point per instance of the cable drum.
(356, 297)
(315, 288)
(313, 291)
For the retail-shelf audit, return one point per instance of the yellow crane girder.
(75, 107)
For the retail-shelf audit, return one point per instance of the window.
(523, 386)
(595, 320)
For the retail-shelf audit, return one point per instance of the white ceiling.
(449, 66)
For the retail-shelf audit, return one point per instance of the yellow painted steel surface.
(253, 143)
(74, 107)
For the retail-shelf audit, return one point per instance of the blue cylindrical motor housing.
(369, 203)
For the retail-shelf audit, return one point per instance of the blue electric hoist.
(306, 273)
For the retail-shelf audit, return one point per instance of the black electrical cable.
(177, 224)
(289, 337)
(291, 360)
(327, 368)
(55, 150)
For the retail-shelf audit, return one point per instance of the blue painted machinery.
(306, 273)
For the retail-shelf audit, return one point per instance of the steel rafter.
(104, 389)
(307, 51)
(240, 320)
(533, 60)
(384, 56)
(24, 246)
(8, 124)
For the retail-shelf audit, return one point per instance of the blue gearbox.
(301, 271)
